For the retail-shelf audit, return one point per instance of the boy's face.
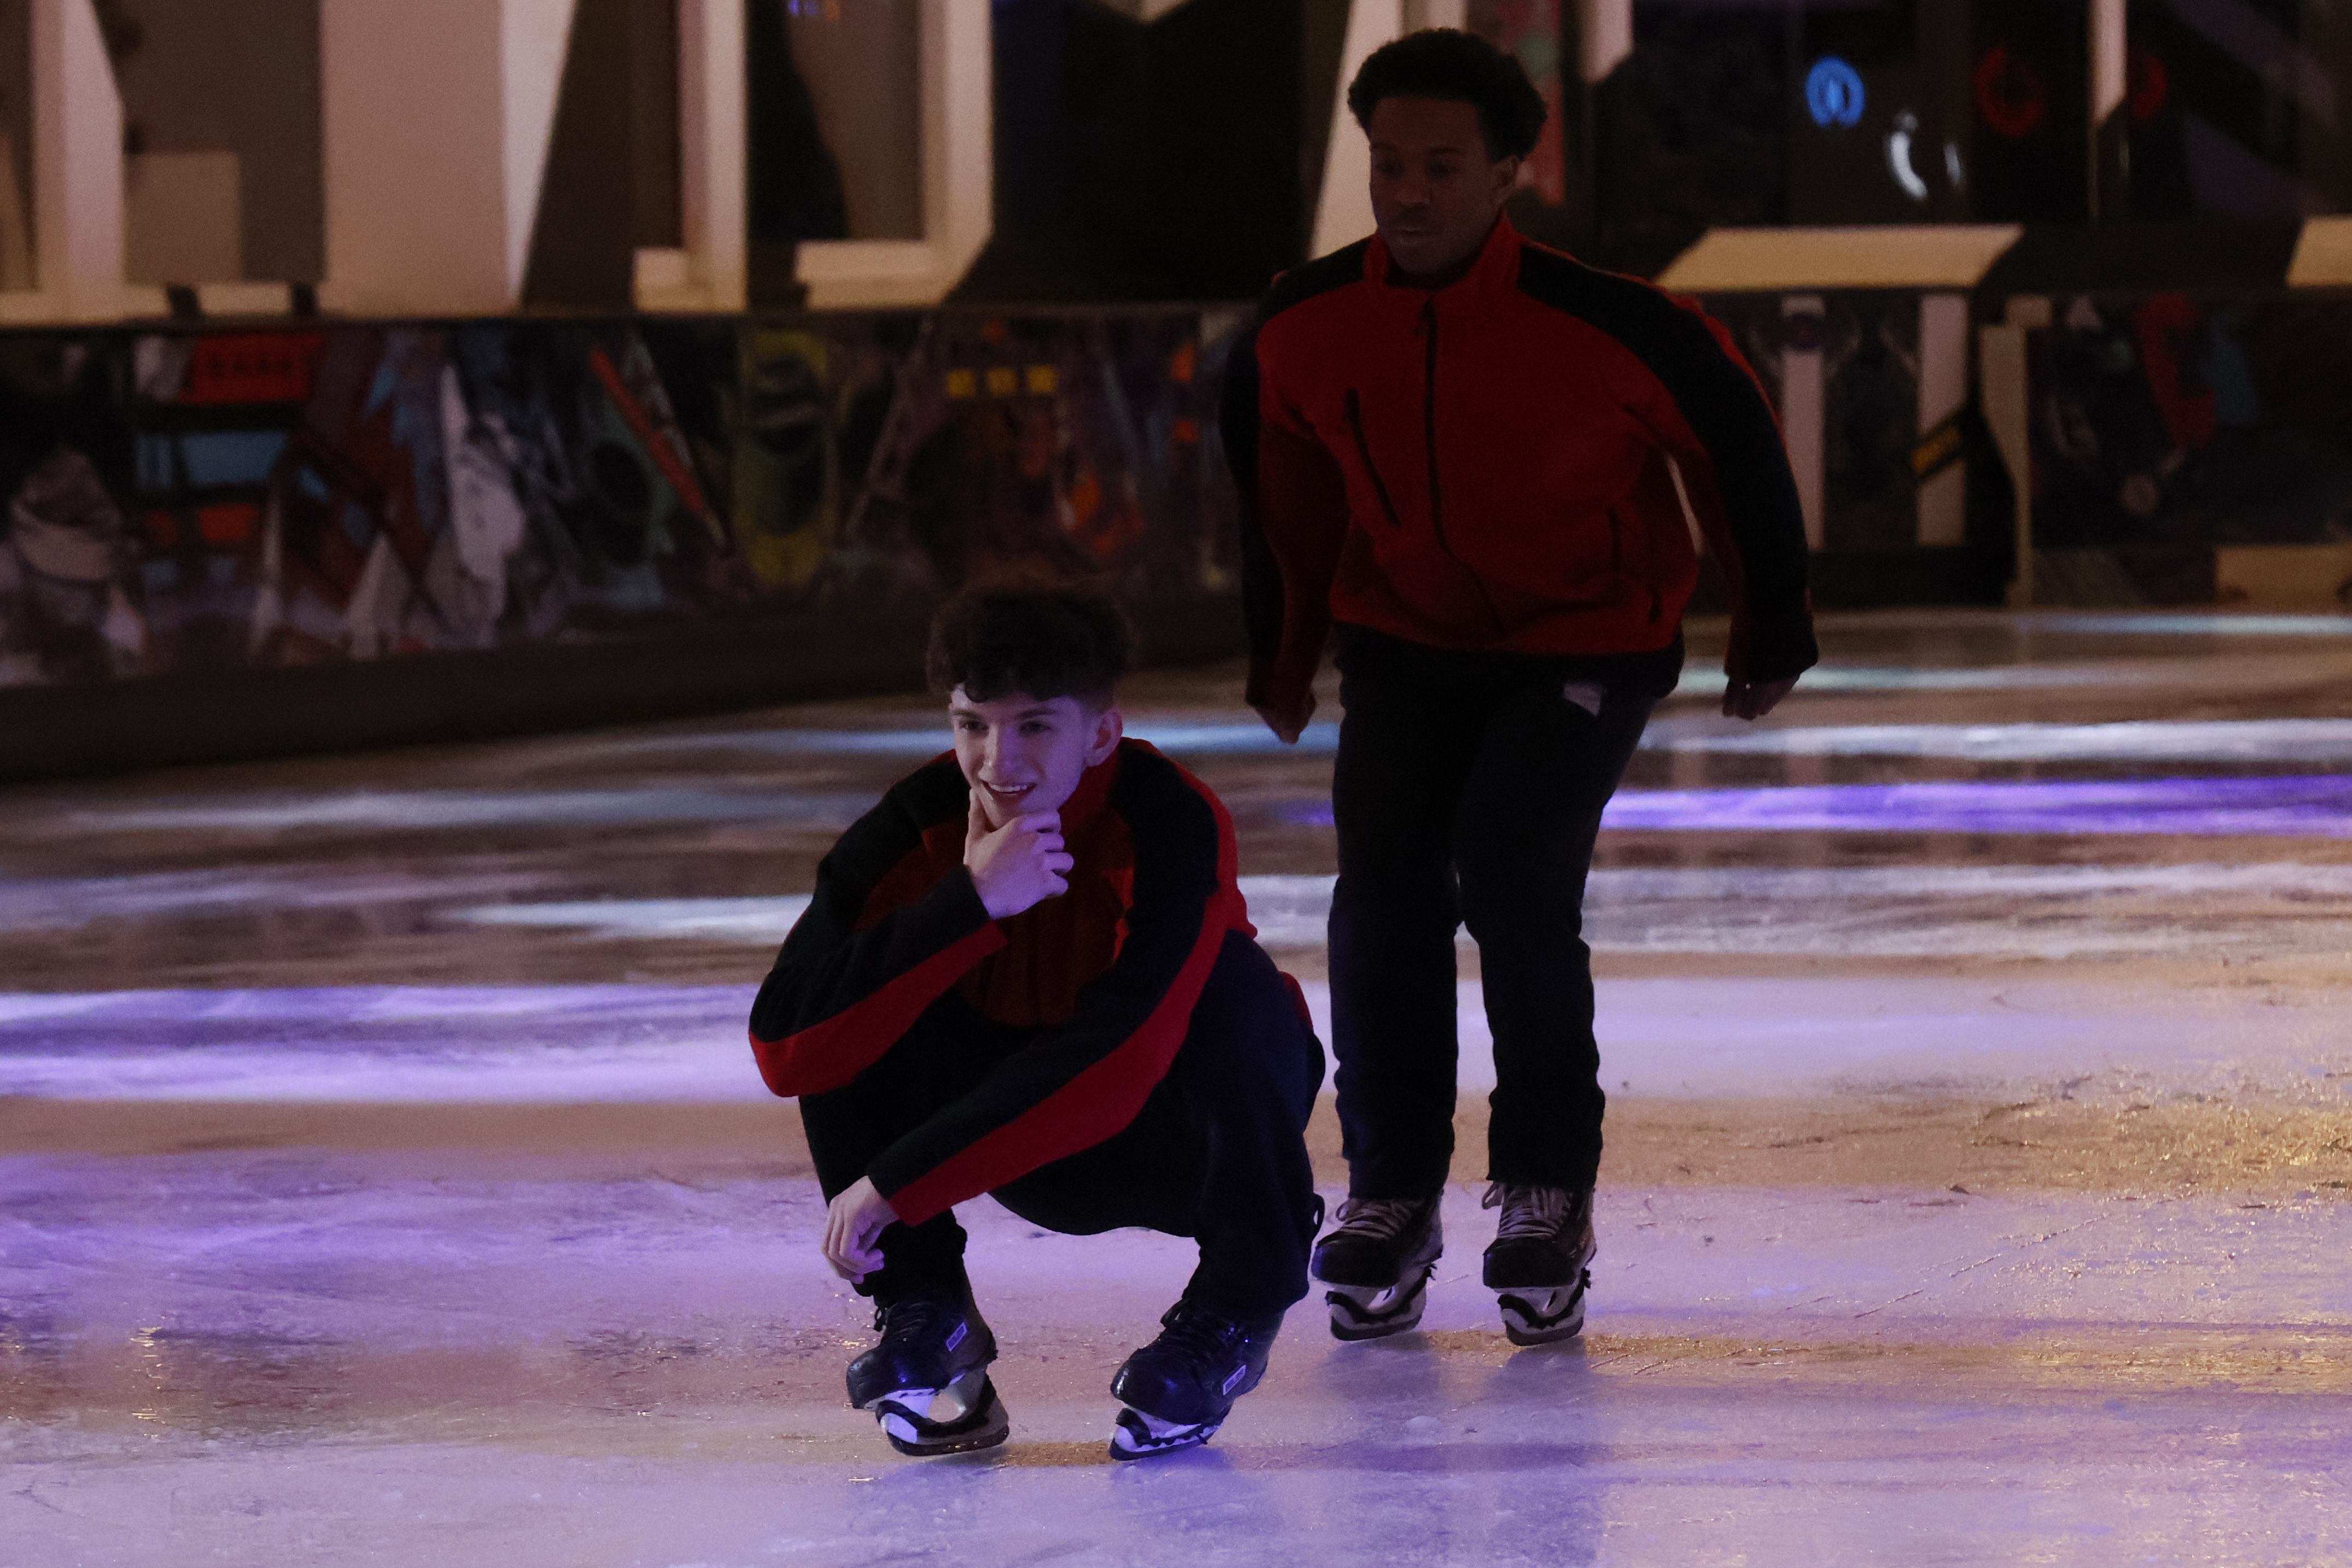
(1435, 192)
(1024, 756)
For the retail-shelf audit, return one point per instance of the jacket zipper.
(1429, 416)
(1429, 436)
(1364, 451)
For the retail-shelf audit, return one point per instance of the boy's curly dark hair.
(1042, 640)
(1461, 68)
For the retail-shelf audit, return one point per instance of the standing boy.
(1475, 454)
(1028, 972)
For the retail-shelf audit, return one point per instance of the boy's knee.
(1251, 1023)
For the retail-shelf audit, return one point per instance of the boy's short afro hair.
(1042, 640)
(1460, 67)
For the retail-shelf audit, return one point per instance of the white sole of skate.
(1540, 1317)
(1137, 1436)
(1376, 1311)
(963, 1416)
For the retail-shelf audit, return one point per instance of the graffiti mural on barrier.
(210, 500)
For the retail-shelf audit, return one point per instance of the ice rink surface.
(386, 1178)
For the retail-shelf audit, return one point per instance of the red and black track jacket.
(1484, 466)
(1108, 974)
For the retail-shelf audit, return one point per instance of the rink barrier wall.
(220, 541)
(675, 672)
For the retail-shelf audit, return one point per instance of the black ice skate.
(1179, 1389)
(927, 1382)
(1537, 1262)
(1378, 1264)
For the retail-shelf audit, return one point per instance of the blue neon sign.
(1834, 93)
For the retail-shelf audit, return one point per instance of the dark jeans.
(1469, 788)
(1218, 1151)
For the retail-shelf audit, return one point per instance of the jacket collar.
(1497, 266)
(1087, 801)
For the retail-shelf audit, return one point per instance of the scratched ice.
(2024, 911)
(1978, 1182)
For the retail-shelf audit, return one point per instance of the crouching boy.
(1028, 972)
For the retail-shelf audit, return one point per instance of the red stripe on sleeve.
(829, 1054)
(1096, 1105)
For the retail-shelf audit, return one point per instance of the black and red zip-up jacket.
(1484, 467)
(1108, 973)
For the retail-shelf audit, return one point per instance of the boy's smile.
(1024, 756)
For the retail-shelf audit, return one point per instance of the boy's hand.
(1288, 723)
(852, 1226)
(1754, 699)
(1018, 864)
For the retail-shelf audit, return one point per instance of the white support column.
(959, 134)
(1605, 33)
(2110, 75)
(2004, 382)
(707, 274)
(1803, 422)
(78, 143)
(534, 38)
(1943, 393)
(1343, 213)
(77, 198)
(958, 178)
(2110, 60)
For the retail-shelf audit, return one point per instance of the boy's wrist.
(954, 901)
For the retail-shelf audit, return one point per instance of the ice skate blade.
(963, 1416)
(1136, 1436)
(1369, 1312)
(1543, 1317)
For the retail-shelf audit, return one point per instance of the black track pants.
(1218, 1152)
(1468, 789)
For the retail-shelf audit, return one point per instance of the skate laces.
(909, 1315)
(1198, 1332)
(1378, 1218)
(1529, 1213)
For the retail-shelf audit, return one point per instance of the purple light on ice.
(382, 1042)
(443, 1020)
(2305, 806)
(2302, 808)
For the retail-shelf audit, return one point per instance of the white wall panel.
(532, 37)
(1343, 213)
(417, 218)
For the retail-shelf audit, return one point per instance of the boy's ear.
(1108, 729)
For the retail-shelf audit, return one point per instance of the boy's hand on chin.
(1016, 865)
